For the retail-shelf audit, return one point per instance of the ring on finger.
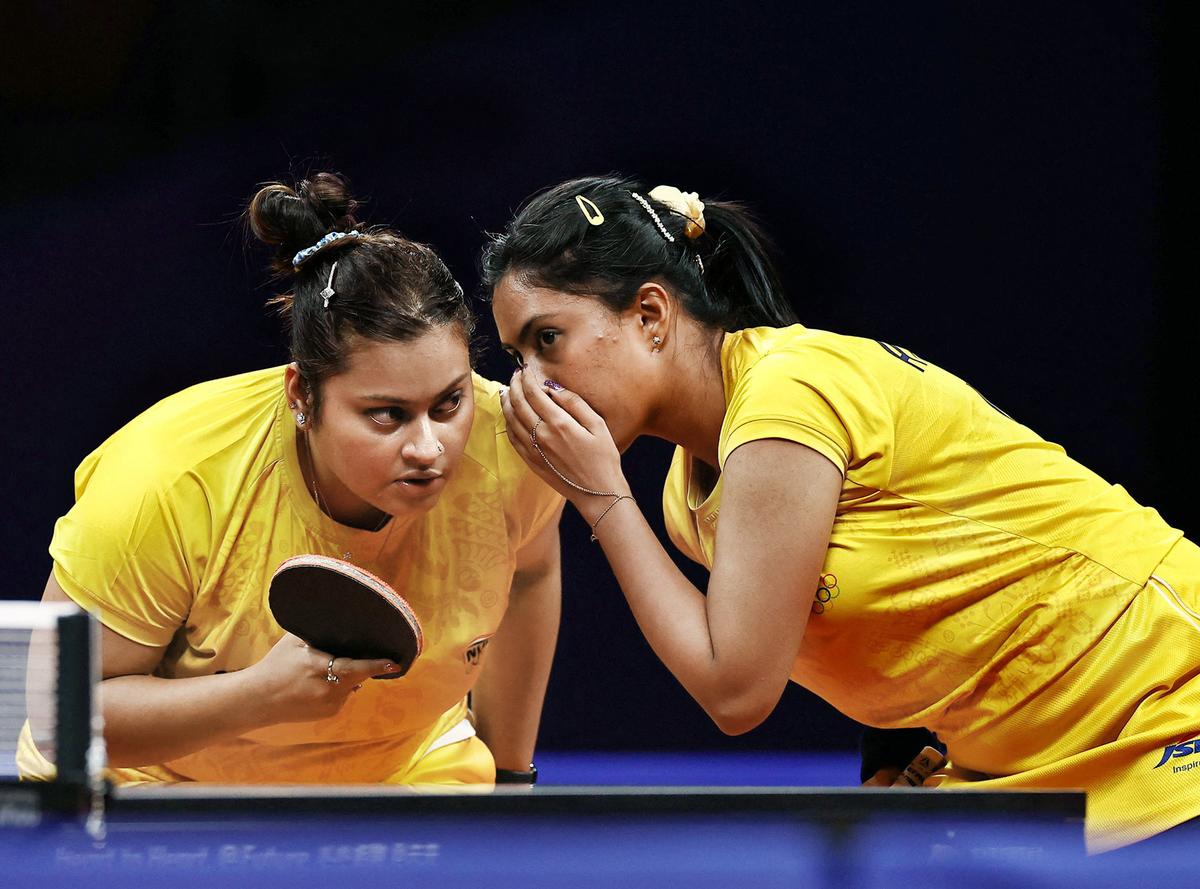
(331, 676)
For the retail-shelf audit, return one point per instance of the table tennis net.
(49, 668)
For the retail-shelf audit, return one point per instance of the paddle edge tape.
(378, 585)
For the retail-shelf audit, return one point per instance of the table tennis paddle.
(345, 611)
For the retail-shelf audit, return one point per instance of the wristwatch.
(512, 776)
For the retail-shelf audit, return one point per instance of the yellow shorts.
(462, 762)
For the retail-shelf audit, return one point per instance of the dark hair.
(724, 277)
(386, 287)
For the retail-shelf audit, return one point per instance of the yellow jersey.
(182, 517)
(978, 581)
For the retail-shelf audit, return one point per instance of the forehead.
(411, 370)
(515, 302)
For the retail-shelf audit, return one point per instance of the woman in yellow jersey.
(377, 445)
(875, 530)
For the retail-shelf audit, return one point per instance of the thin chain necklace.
(323, 505)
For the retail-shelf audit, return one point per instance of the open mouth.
(421, 484)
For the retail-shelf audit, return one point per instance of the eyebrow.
(391, 399)
(528, 324)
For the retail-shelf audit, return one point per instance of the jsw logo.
(1187, 748)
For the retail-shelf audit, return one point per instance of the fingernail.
(390, 668)
(550, 384)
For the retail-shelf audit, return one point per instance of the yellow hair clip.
(590, 211)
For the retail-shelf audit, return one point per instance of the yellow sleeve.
(122, 551)
(818, 395)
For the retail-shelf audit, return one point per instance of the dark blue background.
(999, 187)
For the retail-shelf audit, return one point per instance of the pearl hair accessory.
(646, 205)
(687, 205)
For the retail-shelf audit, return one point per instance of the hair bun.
(291, 219)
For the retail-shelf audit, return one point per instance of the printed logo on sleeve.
(1179, 751)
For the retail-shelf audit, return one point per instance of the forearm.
(734, 648)
(671, 612)
(149, 720)
(508, 697)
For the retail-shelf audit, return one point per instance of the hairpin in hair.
(662, 228)
(646, 205)
(325, 241)
(328, 293)
(590, 211)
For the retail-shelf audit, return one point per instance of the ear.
(655, 307)
(294, 388)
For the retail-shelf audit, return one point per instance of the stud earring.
(301, 419)
(657, 341)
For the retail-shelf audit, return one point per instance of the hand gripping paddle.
(345, 611)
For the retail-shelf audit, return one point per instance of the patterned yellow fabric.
(978, 581)
(183, 515)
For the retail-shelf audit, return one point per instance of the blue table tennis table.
(655, 821)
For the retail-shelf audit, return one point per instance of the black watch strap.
(512, 776)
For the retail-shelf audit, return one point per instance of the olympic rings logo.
(827, 591)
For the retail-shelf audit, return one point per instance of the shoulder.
(824, 390)
(765, 350)
(484, 444)
(780, 363)
(528, 501)
(487, 402)
(212, 411)
(191, 434)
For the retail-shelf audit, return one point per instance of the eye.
(386, 416)
(547, 337)
(450, 404)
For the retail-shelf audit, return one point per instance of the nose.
(422, 447)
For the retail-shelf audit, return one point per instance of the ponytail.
(742, 287)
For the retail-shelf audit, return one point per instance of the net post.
(76, 678)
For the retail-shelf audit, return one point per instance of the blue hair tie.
(324, 242)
